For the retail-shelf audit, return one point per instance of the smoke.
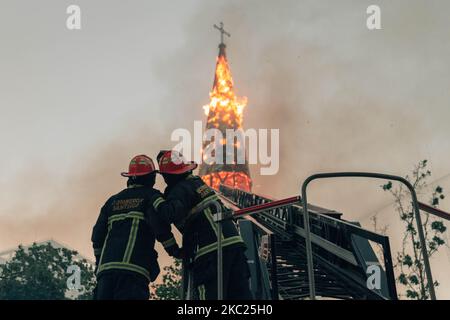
(65, 208)
(344, 98)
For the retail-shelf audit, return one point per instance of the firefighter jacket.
(123, 237)
(189, 206)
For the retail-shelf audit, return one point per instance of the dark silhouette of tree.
(40, 272)
(170, 288)
(409, 261)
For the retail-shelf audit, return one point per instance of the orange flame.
(237, 180)
(225, 111)
(224, 108)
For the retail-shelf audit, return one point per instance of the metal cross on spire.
(222, 31)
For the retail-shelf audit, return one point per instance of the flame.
(225, 111)
(238, 180)
(226, 107)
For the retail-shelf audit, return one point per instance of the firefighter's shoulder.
(110, 200)
(186, 186)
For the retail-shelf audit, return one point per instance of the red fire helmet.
(173, 162)
(139, 166)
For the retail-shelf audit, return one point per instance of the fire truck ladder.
(343, 257)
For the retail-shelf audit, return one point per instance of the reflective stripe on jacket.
(189, 205)
(124, 234)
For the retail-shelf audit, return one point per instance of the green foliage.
(407, 261)
(438, 226)
(40, 273)
(411, 294)
(402, 279)
(170, 289)
(410, 259)
(387, 186)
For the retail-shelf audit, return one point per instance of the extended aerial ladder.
(342, 253)
(293, 255)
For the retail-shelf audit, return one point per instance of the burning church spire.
(224, 112)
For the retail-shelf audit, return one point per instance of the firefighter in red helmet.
(188, 204)
(124, 237)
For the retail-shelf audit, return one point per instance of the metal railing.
(434, 211)
(415, 205)
(222, 216)
(285, 218)
(260, 231)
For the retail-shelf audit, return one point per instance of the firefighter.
(123, 238)
(188, 204)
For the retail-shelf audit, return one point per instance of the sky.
(76, 105)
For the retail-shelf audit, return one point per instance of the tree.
(378, 248)
(39, 272)
(409, 261)
(170, 289)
